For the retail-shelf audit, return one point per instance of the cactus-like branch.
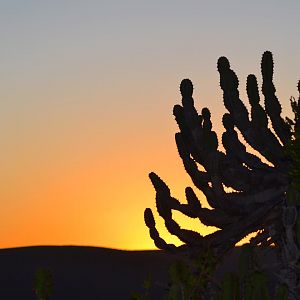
(159, 242)
(272, 105)
(261, 197)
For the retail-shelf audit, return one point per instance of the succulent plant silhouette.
(264, 197)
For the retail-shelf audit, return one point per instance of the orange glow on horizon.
(96, 200)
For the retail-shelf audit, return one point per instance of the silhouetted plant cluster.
(265, 194)
(293, 147)
(189, 280)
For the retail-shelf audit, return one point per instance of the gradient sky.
(87, 90)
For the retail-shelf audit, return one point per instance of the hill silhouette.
(90, 272)
(80, 272)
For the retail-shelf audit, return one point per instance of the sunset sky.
(87, 90)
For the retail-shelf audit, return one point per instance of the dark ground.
(88, 273)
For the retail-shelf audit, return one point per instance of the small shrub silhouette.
(43, 283)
